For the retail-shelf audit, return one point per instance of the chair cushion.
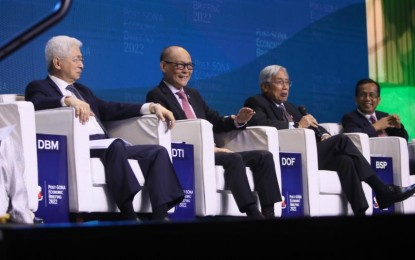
(220, 179)
(98, 172)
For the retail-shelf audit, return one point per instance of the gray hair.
(266, 73)
(59, 46)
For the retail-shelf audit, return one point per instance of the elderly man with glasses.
(187, 103)
(335, 153)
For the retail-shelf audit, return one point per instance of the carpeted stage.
(214, 238)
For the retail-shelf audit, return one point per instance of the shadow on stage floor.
(213, 238)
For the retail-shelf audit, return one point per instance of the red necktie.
(185, 105)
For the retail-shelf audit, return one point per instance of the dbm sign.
(47, 144)
(53, 178)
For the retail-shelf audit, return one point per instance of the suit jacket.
(45, 94)
(163, 95)
(356, 122)
(268, 114)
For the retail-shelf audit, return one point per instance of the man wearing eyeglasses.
(187, 103)
(61, 89)
(366, 119)
(335, 153)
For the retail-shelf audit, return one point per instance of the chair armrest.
(22, 115)
(252, 138)
(62, 121)
(332, 128)
(303, 141)
(397, 148)
(361, 141)
(7, 98)
(147, 129)
(198, 132)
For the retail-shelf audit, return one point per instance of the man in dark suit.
(366, 119)
(186, 103)
(375, 123)
(336, 153)
(65, 65)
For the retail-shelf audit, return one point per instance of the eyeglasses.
(371, 95)
(280, 82)
(78, 59)
(181, 66)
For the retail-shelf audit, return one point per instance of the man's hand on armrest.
(82, 109)
(163, 113)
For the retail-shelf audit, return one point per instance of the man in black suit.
(173, 93)
(65, 65)
(366, 119)
(336, 153)
(375, 123)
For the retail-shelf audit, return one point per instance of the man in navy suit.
(336, 153)
(367, 98)
(366, 119)
(185, 103)
(65, 64)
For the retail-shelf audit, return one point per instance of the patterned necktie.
(185, 104)
(287, 116)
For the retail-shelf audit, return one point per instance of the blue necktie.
(72, 89)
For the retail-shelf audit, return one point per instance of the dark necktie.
(287, 116)
(185, 105)
(373, 120)
(78, 95)
(74, 91)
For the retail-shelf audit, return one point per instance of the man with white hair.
(336, 153)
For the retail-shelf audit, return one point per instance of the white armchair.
(211, 196)
(22, 115)
(322, 192)
(388, 146)
(396, 148)
(86, 176)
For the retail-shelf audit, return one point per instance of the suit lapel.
(275, 110)
(53, 85)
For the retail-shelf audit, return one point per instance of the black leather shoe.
(394, 194)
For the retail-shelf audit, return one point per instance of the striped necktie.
(287, 116)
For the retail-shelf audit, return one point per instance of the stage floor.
(214, 238)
